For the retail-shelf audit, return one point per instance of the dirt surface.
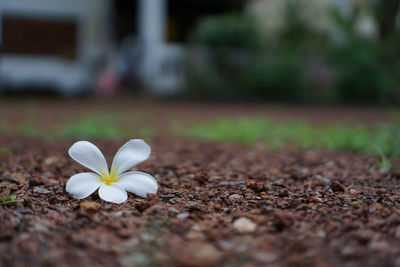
(160, 114)
(217, 205)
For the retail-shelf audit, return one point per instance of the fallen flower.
(112, 184)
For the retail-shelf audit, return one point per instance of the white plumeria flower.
(112, 184)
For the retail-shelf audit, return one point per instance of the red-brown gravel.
(311, 208)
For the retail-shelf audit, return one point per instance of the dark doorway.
(124, 16)
(183, 15)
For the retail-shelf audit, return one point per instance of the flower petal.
(132, 153)
(89, 156)
(139, 183)
(113, 193)
(82, 185)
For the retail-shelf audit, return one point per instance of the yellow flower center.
(110, 178)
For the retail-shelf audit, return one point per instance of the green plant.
(386, 13)
(360, 77)
(93, 126)
(147, 132)
(384, 163)
(29, 129)
(278, 77)
(346, 22)
(231, 31)
(367, 70)
(384, 139)
(101, 126)
(295, 32)
(4, 150)
(3, 126)
(351, 68)
(9, 199)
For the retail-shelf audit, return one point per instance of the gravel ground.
(217, 205)
(50, 113)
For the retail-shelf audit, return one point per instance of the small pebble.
(90, 206)
(244, 225)
(198, 255)
(235, 197)
(41, 190)
(182, 215)
(51, 161)
(336, 187)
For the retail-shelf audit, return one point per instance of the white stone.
(244, 225)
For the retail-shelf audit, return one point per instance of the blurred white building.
(67, 44)
(164, 26)
(162, 63)
(52, 43)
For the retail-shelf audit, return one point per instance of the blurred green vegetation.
(4, 150)
(29, 129)
(3, 126)
(109, 126)
(227, 31)
(302, 65)
(102, 126)
(94, 126)
(383, 140)
(9, 199)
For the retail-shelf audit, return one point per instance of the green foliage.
(350, 69)
(29, 129)
(9, 199)
(146, 132)
(4, 150)
(278, 78)
(295, 30)
(360, 77)
(367, 71)
(386, 13)
(227, 31)
(94, 126)
(384, 163)
(3, 126)
(271, 76)
(384, 140)
(236, 67)
(101, 126)
(345, 22)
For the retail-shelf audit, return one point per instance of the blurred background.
(275, 51)
(317, 74)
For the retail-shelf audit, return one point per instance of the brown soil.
(159, 115)
(217, 204)
(309, 208)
